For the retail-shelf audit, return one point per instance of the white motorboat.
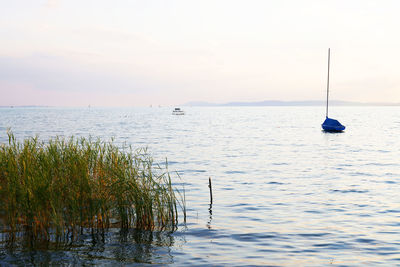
(178, 111)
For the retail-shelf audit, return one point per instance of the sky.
(141, 53)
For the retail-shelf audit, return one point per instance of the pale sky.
(137, 53)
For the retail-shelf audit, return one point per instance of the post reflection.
(210, 216)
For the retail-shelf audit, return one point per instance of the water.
(285, 193)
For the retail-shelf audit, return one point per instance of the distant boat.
(330, 125)
(178, 111)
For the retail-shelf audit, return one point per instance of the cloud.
(52, 4)
(18, 93)
(53, 73)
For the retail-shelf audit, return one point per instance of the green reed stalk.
(58, 189)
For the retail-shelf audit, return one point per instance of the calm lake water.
(285, 193)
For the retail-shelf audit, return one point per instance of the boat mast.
(327, 85)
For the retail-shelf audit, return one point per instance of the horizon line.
(231, 103)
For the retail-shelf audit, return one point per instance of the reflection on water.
(210, 217)
(284, 192)
(122, 246)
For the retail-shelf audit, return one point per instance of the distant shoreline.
(266, 103)
(25, 106)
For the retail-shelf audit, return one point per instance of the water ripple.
(285, 193)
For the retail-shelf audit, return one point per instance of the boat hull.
(178, 111)
(332, 125)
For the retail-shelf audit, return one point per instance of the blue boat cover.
(332, 125)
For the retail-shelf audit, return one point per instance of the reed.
(65, 186)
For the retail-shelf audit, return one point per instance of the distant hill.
(286, 103)
(24, 106)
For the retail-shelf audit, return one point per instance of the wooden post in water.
(209, 185)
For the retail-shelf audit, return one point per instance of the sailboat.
(330, 125)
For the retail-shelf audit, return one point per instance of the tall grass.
(62, 187)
